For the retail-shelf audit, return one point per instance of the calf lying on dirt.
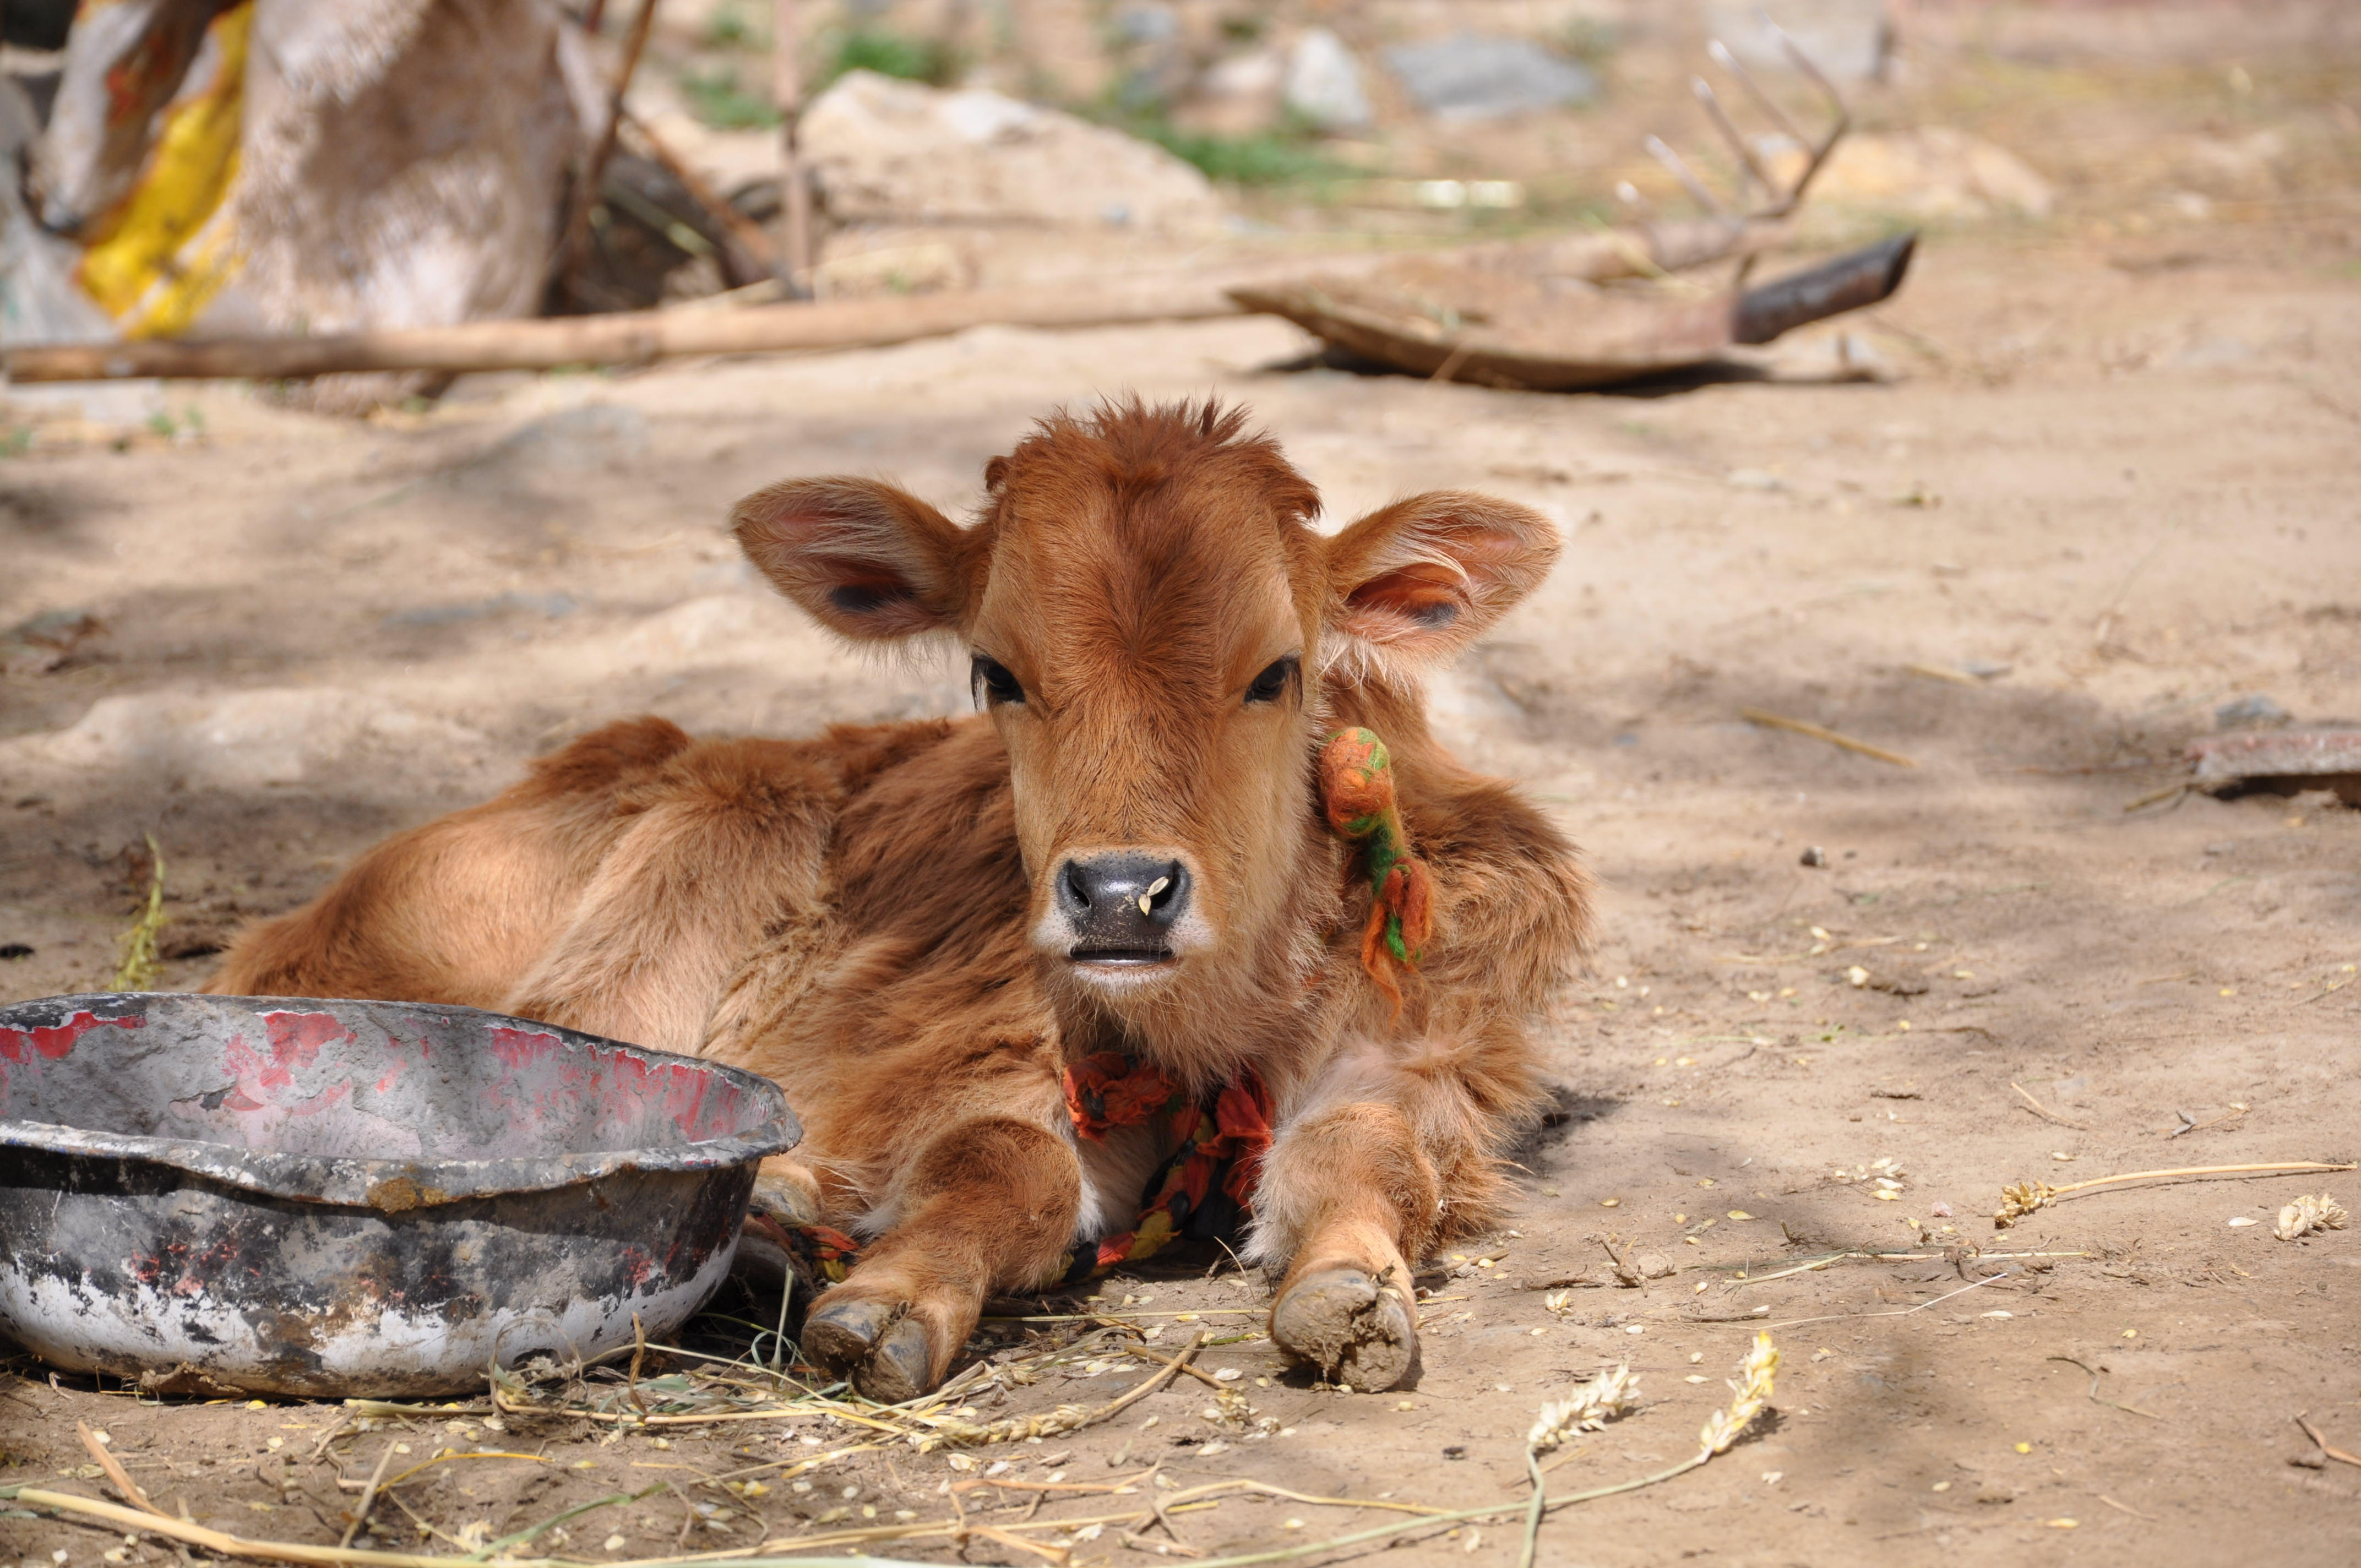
(1006, 967)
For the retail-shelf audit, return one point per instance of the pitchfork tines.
(1768, 200)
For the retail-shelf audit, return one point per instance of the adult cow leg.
(989, 1205)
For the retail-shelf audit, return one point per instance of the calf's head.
(1157, 633)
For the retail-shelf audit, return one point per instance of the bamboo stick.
(633, 337)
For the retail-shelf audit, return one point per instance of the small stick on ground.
(2044, 1112)
(639, 1353)
(2313, 1433)
(2189, 1124)
(116, 1473)
(368, 1493)
(2094, 1389)
(219, 1542)
(1066, 1418)
(2172, 792)
(1200, 1374)
(1003, 1538)
(1820, 732)
(1898, 1313)
(335, 1429)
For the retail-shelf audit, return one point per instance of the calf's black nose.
(1121, 906)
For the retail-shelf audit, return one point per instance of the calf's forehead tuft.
(1124, 451)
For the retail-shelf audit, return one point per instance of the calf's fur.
(871, 916)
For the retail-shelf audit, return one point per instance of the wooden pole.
(636, 338)
(586, 188)
(796, 251)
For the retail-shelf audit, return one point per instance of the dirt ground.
(2114, 469)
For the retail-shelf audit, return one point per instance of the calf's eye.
(1272, 684)
(992, 683)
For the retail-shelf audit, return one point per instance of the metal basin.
(207, 1193)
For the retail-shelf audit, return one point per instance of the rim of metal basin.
(389, 1185)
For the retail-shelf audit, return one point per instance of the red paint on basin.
(56, 1041)
(296, 1039)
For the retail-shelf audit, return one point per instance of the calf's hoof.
(873, 1344)
(1350, 1327)
(783, 1200)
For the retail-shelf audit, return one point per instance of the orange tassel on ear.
(1357, 792)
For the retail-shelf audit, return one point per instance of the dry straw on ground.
(919, 1423)
(2026, 1197)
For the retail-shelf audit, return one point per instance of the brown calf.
(919, 928)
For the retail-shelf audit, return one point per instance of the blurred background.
(270, 166)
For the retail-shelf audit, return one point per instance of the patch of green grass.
(1267, 158)
(15, 441)
(719, 99)
(729, 26)
(894, 54)
(193, 421)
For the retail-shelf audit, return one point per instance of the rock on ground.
(1476, 76)
(1323, 82)
(882, 150)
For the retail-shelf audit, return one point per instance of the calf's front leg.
(987, 1205)
(1392, 1151)
(1359, 1198)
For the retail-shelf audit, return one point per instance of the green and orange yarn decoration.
(1356, 789)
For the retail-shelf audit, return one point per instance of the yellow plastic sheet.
(167, 258)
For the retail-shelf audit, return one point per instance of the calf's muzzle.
(1121, 906)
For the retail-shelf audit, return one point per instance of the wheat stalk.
(1750, 1397)
(2025, 1197)
(1587, 1408)
(2306, 1215)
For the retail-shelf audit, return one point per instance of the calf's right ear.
(864, 559)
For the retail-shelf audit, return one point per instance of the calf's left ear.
(1420, 579)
